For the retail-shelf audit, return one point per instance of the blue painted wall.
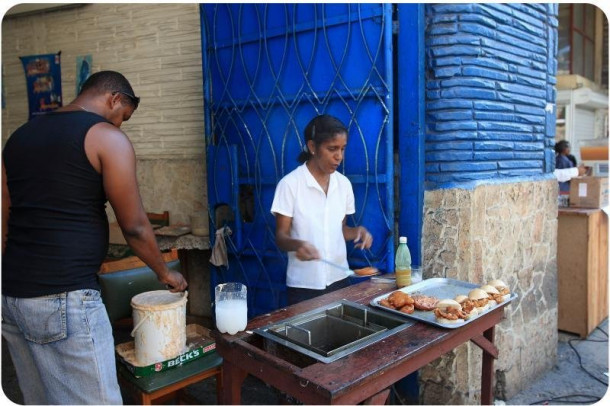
(490, 95)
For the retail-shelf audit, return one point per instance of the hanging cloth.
(219, 251)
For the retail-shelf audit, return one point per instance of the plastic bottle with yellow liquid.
(402, 264)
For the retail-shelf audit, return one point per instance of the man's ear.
(113, 99)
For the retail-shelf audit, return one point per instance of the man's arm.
(117, 164)
(6, 204)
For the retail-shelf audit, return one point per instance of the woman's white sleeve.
(350, 207)
(564, 175)
(283, 200)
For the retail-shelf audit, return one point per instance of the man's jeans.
(62, 348)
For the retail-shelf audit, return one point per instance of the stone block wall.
(490, 76)
(490, 206)
(158, 48)
(502, 231)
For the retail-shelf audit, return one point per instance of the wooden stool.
(171, 382)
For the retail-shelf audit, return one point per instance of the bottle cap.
(402, 240)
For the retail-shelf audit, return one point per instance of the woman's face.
(328, 155)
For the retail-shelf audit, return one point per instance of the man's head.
(112, 94)
(113, 82)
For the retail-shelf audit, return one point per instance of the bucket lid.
(158, 300)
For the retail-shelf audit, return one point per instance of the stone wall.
(175, 185)
(502, 231)
(490, 77)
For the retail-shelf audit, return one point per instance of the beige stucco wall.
(506, 231)
(158, 48)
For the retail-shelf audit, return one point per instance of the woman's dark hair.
(561, 146)
(321, 129)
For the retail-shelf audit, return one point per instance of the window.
(576, 40)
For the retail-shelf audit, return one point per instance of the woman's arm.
(359, 235)
(304, 250)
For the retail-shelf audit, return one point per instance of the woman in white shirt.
(310, 206)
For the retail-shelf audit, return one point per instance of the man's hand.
(363, 239)
(307, 252)
(174, 280)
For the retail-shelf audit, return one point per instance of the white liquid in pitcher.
(231, 316)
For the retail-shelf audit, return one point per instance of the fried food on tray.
(502, 288)
(493, 293)
(409, 308)
(398, 299)
(449, 311)
(369, 270)
(423, 302)
(480, 299)
(468, 306)
(385, 303)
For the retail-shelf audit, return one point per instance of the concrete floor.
(565, 383)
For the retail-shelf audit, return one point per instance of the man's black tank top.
(57, 229)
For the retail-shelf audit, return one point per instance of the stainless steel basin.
(334, 331)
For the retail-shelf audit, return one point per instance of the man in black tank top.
(58, 171)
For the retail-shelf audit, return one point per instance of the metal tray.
(441, 288)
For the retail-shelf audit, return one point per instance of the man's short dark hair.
(110, 81)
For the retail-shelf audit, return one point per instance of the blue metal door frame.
(246, 156)
(410, 109)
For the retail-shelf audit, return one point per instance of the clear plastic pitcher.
(231, 303)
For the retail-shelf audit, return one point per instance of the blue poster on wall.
(83, 71)
(43, 81)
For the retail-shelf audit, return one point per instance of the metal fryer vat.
(334, 331)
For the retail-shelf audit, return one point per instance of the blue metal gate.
(269, 69)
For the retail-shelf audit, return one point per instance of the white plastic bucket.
(159, 319)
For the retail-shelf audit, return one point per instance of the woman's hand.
(363, 239)
(307, 252)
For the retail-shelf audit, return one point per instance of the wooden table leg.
(487, 373)
(378, 399)
(232, 379)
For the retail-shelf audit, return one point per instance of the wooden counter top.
(363, 376)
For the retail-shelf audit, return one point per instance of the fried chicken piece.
(408, 309)
(385, 303)
(398, 299)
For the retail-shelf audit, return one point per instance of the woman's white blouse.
(318, 219)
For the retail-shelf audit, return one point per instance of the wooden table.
(363, 376)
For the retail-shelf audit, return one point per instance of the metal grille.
(269, 69)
